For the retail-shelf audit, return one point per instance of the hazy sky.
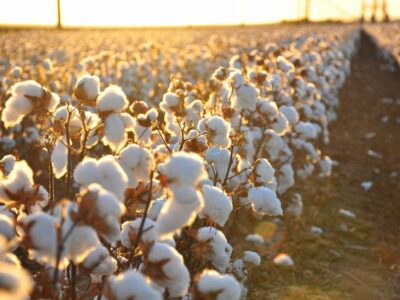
(176, 12)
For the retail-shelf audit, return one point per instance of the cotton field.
(136, 164)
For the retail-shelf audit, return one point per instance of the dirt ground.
(353, 258)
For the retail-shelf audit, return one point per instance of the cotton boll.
(59, 158)
(179, 211)
(281, 124)
(15, 282)
(169, 102)
(295, 208)
(87, 88)
(165, 266)
(224, 287)
(155, 208)
(195, 111)
(81, 241)
(185, 168)
(217, 131)
(265, 201)
(221, 250)
(101, 210)
(220, 160)
(99, 263)
(114, 132)
(7, 164)
(246, 96)
(7, 227)
(40, 235)
(255, 238)
(306, 130)
(290, 113)
(137, 163)
(283, 260)
(130, 285)
(325, 166)
(106, 171)
(286, 178)
(130, 230)
(263, 171)
(252, 257)
(267, 108)
(113, 99)
(217, 205)
(274, 143)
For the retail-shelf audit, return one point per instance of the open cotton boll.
(285, 179)
(265, 201)
(106, 171)
(194, 112)
(87, 88)
(218, 131)
(180, 210)
(137, 163)
(130, 230)
(306, 130)
(15, 282)
(155, 208)
(290, 113)
(245, 98)
(99, 263)
(325, 166)
(255, 238)
(220, 160)
(7, 227)
(130, 285)
(221, 250)
(267, 108)
(283, 260)
(59, 158)
(252, 257)
(217, 205)
(169, 102)
(281, 124)
(165, 266)
(7, 164)
(185, 168)
(40, 236)
(220, 286)
(295, 208)
(114, 132)
(274, 143)
(263, 171)
(113, 99)
(81, 241)
(100, 209)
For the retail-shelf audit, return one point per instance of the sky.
(176, 12)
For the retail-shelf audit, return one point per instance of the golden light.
(174, 12)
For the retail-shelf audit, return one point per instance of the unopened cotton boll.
(265, 201)
(252, 257)
(87, 88)
(217, 205)
(165, 266)
(15, 282)
(221, 250)
(224, 286)
(130, 285)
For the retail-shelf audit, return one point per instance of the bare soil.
(354, 258)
